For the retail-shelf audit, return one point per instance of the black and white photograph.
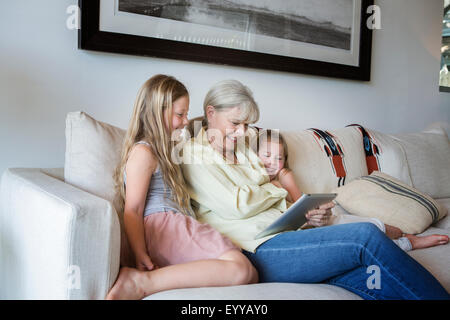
(319, 37)
(324, 22)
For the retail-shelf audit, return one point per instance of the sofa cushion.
(92, 154)
(260, 291)
(445, 222)
(384, 154)
(428, 155)
(393, 202)
(323, 160)
(435, 259)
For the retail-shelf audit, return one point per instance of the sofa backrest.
(325, 159)
(92, 154)
(320, 159)
(428, 158)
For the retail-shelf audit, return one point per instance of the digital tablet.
(295, 217)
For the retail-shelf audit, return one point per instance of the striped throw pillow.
(393, 202)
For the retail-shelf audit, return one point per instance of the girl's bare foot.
(427, 241)
(126, 286)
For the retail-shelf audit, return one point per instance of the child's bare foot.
(427, 241)
(126, 286)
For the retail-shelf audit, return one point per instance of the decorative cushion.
(323, 160)
(393, 202)
(92, 154)
(428, 155)
(384, 154)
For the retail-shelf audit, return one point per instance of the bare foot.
(393, 232)
(427, 241)
(126, 286)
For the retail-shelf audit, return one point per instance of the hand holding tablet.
(320, 216)
(295, 217)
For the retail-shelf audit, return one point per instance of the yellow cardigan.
(238, 200)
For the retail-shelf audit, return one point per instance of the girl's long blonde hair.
(147, 124)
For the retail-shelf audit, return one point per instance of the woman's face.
(224, 127)
(180, 109)
(272, 155)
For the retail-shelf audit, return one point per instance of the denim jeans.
(357, 256)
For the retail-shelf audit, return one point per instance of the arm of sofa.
(56, 241)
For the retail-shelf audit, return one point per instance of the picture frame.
(93, 37)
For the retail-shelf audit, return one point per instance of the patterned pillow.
(322, 160)
(383, 153)
(390, 200)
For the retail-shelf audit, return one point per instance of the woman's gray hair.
(229, 94)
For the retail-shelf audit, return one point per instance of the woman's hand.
(320, 217)
(144, 263)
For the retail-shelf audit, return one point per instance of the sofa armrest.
(56, 241)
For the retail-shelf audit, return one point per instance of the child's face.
(180, 111)
(272, 155)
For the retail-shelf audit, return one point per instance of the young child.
(272, 150)
(171, 248)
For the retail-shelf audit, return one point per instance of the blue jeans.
(357, 256)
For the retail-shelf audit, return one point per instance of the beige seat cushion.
(260, 291)
(435, 259)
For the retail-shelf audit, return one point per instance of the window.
(444, 74)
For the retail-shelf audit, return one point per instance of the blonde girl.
(172, 250)
(273, 152)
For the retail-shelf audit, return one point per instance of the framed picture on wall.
(327, 37)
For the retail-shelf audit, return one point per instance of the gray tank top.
(159, 195)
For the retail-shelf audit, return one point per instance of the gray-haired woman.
(231, 191)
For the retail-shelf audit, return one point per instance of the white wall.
(43, 76)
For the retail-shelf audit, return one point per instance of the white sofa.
(58, 241)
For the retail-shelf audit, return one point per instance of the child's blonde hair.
(147, 124)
